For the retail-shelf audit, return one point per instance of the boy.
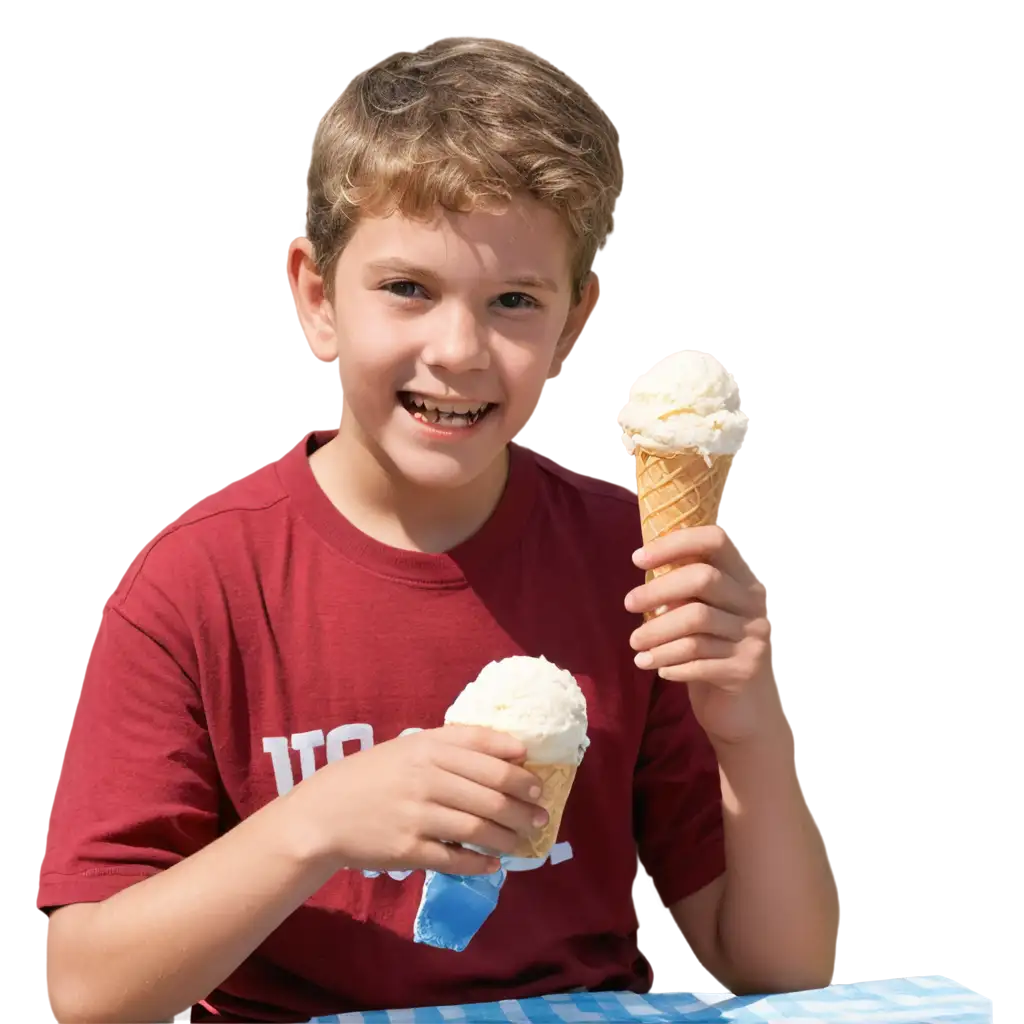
(255, 781)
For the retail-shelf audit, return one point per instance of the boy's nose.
(458, 344)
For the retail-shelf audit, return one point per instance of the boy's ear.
(315, 311)
(574, 323)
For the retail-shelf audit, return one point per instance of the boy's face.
(445, 333)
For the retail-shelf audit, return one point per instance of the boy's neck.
(398, 513)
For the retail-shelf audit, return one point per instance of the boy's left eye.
(403, 289)
(519, 300)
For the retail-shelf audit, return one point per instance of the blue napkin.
(453, 907)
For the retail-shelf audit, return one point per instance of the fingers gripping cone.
(543, 706)
(676, 491)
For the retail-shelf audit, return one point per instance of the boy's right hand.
(405, 804)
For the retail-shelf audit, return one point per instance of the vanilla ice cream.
(531, 699)
(687, 402)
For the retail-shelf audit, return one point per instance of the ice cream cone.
(675, 491)
(556, 780)
(543, 707)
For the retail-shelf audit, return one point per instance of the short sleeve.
(138, 789)
(677, 798)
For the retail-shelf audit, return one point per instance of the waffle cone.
(556, 780)
(677, 491)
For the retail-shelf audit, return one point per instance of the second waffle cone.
(675, 492)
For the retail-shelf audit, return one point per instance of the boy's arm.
(166, 942)
(162, 944)
(726, 824)
(770, 922)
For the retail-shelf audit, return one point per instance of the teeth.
(447, 408)
(450, 414)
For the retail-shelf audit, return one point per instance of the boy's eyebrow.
(529, 281)
(404, 267)
(397, 265)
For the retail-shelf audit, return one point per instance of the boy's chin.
(442, 470)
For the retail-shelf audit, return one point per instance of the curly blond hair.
(463, 124)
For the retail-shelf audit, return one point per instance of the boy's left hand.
(714, 634)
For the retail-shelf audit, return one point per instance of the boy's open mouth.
(444, 414)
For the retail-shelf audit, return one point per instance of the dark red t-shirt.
(262, 635)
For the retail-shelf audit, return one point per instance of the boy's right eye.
(402, 289)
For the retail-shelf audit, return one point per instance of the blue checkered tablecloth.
(897, 1001)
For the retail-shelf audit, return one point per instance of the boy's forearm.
(779, 914)
(162, 944)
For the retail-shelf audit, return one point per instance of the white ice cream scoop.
(686, 402)
(531, 699)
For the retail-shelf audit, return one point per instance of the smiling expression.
(445, 332)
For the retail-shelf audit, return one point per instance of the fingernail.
(540, 818)
(638, 556)
(629, 601)
(534, 792)
(644, 659)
